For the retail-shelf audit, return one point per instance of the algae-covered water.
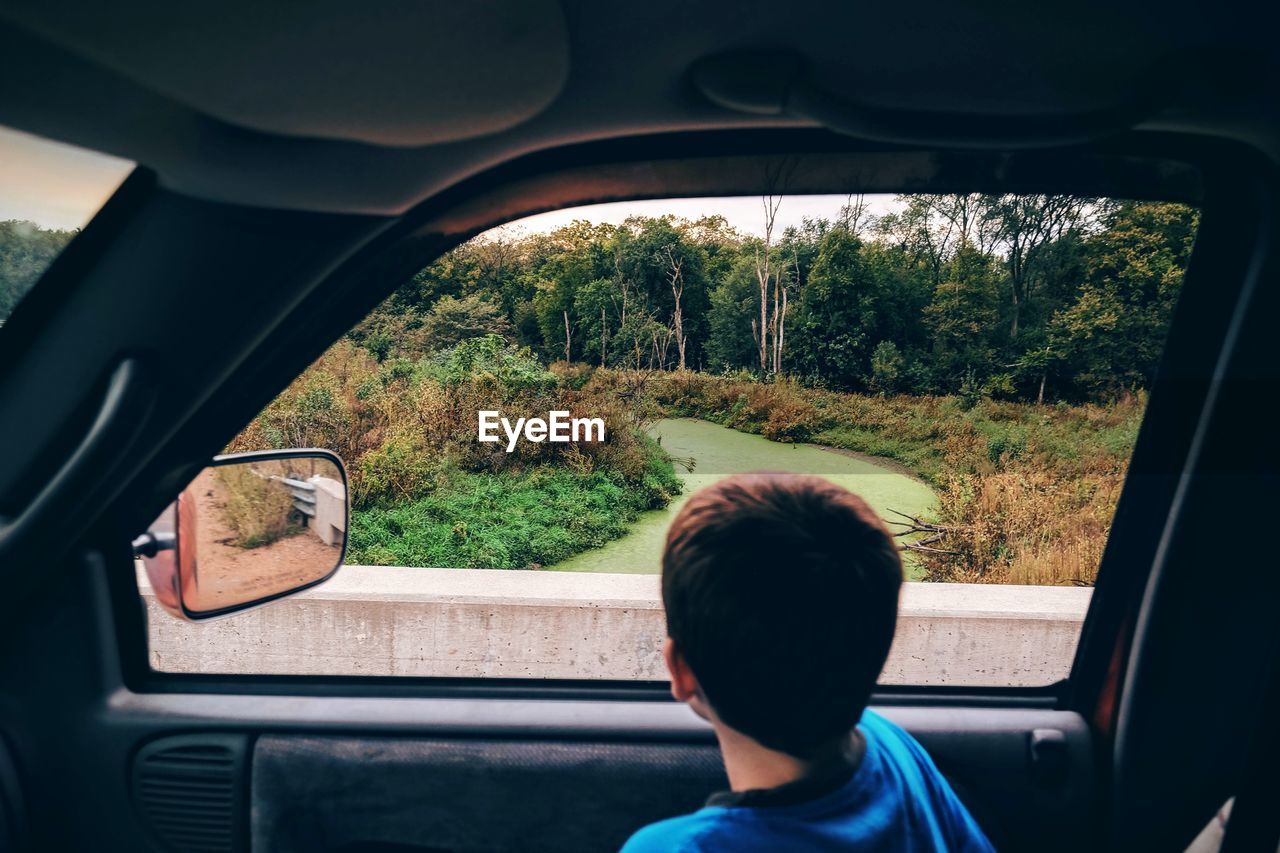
(718, 452)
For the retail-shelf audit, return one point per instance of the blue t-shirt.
(896, 800)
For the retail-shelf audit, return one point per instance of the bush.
(426, 492)
(789, 420)
(887, 367)
(499, 521)
(257, 510)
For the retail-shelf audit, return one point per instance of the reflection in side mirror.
(252, 527)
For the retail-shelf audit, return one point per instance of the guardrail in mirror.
(251, 528)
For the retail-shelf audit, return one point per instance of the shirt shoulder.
(924, 789)
(684, 834)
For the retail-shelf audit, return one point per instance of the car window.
(48, 192)
(522, 419)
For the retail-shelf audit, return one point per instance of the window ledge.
(374, 620)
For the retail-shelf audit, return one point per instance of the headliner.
(374, 112)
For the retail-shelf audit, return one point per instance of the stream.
(718, 452)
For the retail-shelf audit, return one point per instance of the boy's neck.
(752, 766)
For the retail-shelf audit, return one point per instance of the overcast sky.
(54, 185)
(746, 213)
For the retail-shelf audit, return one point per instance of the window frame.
(604, 172)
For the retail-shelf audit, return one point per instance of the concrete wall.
(330, 523)
(461, 622)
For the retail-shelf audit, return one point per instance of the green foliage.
(1006, 297)
(839, 314)
(426, 492)
(488, 358)
(982, 308)
(962, 317)
(26, 251)
(507, 521)
(1110, 337)
(452, 321)
(886, 367)
(735, 303)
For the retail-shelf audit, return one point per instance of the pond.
(718, 452)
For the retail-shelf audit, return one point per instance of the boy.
(781, 594)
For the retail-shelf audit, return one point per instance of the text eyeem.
(558, 427)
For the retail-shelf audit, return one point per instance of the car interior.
(296, 162)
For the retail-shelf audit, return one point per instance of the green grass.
(508, 520)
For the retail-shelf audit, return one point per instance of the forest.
(1036, 298)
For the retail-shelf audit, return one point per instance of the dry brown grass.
(255, 509)
(1030, 489)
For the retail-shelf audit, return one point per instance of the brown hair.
(781, 593)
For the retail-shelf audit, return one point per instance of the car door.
(318, 756)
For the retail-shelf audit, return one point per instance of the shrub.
(501, 521)
(256, 509)
(426, 492)
(887, 367)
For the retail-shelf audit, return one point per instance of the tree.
(764, 278)
(675, 274)
(1024, 225)
(839, 315)
(1111, 336)
(452, 321)
(886, 367)
(596, 308)
(730, 344)
(962, 317)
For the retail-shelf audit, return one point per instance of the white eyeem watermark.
(558, 427)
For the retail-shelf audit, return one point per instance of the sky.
(746, 213)
(54, 185)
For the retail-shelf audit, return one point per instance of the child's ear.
(684, 684)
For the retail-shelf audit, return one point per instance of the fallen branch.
(916, 525)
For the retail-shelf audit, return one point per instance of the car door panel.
(471, 775)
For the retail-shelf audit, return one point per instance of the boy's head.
(781, 592)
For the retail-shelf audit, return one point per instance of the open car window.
(48, 192)
(521, 420)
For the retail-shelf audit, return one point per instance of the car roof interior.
(299, 161)
(361, 101)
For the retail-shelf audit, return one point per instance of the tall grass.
(1030, 490)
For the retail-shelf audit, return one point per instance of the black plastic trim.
(1230, 238)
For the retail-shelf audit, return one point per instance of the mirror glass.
(250, 528)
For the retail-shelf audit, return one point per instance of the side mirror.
(251, 528)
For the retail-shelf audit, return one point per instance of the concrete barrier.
(330, 522)
(371, 620)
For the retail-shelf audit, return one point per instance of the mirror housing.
(249, 529)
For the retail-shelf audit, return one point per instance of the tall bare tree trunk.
(782, 334)
(568, 338)
(676, 276)
(604, 337)
(777, 301)
(764, 274)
